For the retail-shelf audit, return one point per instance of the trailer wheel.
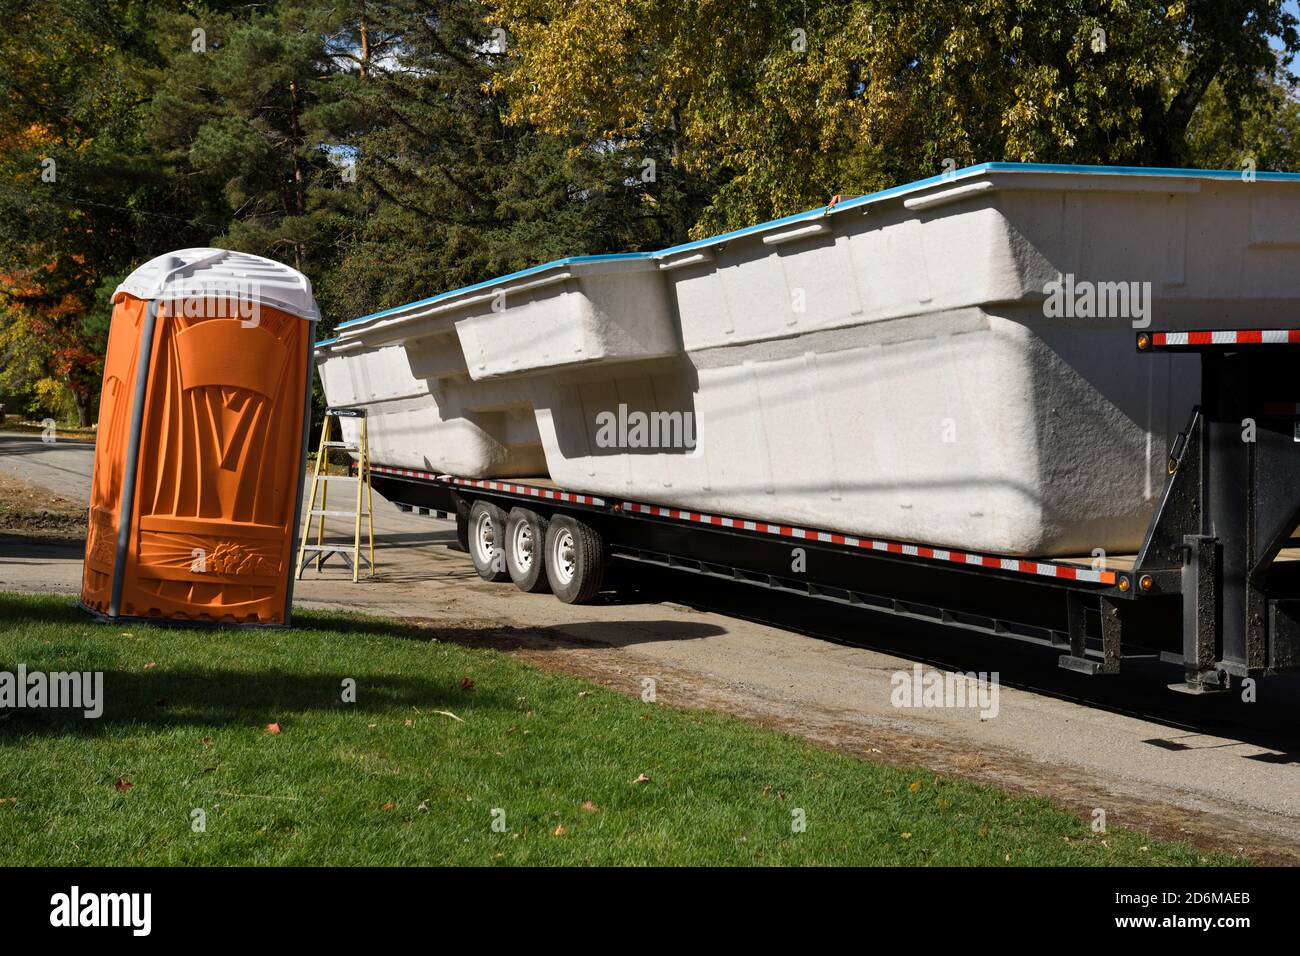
(526, 550)
(487, 528)
(575, 560)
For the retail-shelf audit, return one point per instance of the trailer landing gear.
(1203, 683)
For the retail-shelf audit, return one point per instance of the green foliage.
(75, 176)
(395, 148)
(791, 102)
(1267, 134)
(450, 194)
(22, 365)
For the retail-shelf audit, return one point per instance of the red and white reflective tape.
(1048, 569)
(1230, 337)
(405, 472)
(552, 494)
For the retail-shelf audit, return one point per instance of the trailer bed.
(1214, 588)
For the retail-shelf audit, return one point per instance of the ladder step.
(336, 514)
(350, 446)
(344, 551)
(342, 478)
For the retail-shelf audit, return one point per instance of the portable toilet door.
(203, 421)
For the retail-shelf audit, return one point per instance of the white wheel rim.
(485, 538)
(522, 545)
(564, 563)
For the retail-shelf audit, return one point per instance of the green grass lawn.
(390, 780)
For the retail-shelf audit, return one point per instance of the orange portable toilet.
(203, 423)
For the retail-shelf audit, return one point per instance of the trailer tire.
(487, 528)
(575, 560)
(525, 544)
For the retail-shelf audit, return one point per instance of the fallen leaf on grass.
(207, 741)
(560, 831)
(272, 728)
(467, 683)
(447, 713)
(409, 722)
(390, 805)
(641, 779)
(916, 785)
(121, 785)
(906, 835)
(151, 665)
(589, 806)
(8, 799)
(424, 806)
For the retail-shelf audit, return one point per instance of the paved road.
(62, 466)
(1125, 745)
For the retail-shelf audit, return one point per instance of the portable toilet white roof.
(209, 272)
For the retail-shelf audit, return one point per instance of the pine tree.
(453, 194)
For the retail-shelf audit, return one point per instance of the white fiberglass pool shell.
(951, 361)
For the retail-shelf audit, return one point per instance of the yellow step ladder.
(321, 551)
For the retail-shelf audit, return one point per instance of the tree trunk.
(1165, 128)
(365, 48)
(83, 408)
(299, 183)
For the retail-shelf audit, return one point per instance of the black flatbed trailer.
(1215, 586)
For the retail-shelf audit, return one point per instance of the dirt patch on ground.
(38, 512)
(1072, 789)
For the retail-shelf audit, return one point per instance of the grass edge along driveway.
(238, 747)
